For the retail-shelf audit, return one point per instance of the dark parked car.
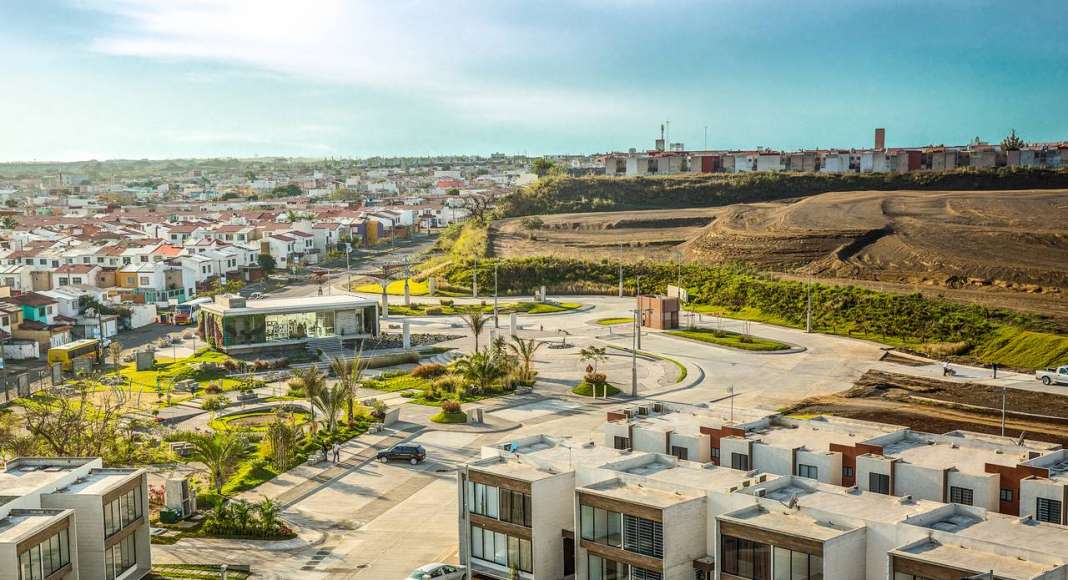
(411, 453)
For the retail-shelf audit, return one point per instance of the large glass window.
(740, 461)
(793, 565)
(45, 558)
(501, 549)
(120, 558)
(299, 325)
(745, 558)
(602, 526)
(484, 500)
(515, 507)
(605, 569)
(879, 483)
(122, 511)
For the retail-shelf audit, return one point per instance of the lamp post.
(638, 309)
(474, 281)
(621, 269)
(634, 357)
(730, 394)
(496, 321)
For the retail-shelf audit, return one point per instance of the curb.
(794, 348)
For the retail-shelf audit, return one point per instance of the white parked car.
(1049, 376)
(438, 571)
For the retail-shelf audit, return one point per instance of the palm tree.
(242, 513)
(525, 351)
(310, 380)
(476, 320)
(330, 400)
(594, 354)
(220, 455)
(268, 511)
(283, 438)
(480, 369)
(349, 373)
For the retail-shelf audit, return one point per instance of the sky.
(102, 79)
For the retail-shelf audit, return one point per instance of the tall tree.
(310, 380)
(481, 369)
(267, 263)
(1012, 142)
(330, 400)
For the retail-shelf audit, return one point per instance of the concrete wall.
(985, 488)
(651, 440)
(777, 460)
(550, 515)
(697, 446)
(867, 464)
(684, 528)
(828, 465)
(1032, 489)
(840, 555)
(728, 445)
(90, 529)
(917, 481)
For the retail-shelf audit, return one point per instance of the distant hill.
(584, 194)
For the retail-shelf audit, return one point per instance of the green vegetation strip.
(614, 321)
(930, 325)
(449, 418)
(683, 373)
(731, 339)
(587, 390)
(430, 309)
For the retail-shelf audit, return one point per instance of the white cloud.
(444, 52)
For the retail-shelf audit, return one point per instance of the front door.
(569, 556)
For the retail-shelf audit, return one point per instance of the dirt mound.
(1005, 239)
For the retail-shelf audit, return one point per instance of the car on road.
(409, 452)
(438, 571)
(1058, 375)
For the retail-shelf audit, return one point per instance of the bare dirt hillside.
(1000, 248)
(1005, 239)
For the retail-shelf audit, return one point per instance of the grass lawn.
(396, 288)
(393, 384)
(254, 420)
(420, 309)
(206, 572)
(613, 321)
(450, 418)
(731, 339)
(586, 390)
(166, 369)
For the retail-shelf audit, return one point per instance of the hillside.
(585, 194)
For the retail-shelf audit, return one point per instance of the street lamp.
(638, 305)
(730, 394)
(634, 357)
(496, 322)
(621, 269)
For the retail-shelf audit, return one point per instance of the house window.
(740, 461)
(601, 526)
(961, 495)
(809, 471)
(791, 565)
(145, 281)
(87, 260)
(1006, 494)
(45, 558)
(680, 452)
(621, 442)
(879, 483)
(643, 536)
(848, 472)
(515, 507)
(1048, 510)
(483, 499)
(501, 549)
(76, 280)
(745, 558)
(715, 454)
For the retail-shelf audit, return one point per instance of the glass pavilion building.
(234, 324)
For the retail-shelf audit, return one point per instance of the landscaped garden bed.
(732, 339)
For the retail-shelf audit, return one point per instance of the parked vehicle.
(1058, 375)
(409, 452)
(438, 571)
(67, 354)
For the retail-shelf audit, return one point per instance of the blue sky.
(194, 78)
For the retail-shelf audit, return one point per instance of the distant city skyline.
(101, 79)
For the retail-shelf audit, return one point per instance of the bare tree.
(477, 206)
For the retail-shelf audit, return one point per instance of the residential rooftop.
(976, 559)
(22, 523)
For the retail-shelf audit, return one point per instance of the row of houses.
(876, 160)
(679, 492)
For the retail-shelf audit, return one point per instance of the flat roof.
(25, 476)
(975, 560)
(859, 504)
(513, 468)
(818, 434)
(99, 481)
(301, 304)
(966, 455)
(21, 523)
(640, 493)
(789, 521)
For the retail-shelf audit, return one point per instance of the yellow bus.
(66, 354)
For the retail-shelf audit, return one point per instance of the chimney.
(880, 139)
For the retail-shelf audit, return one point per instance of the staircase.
(329, 347)
(444, 358)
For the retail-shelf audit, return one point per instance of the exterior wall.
(828, 465)
(1032, 489)
(729, 445)
(984, 488)
(697, 448)
(651, 440)
(549, 517)
(840, 555)
(777, 460)
(920, 482)
(869, 464)
(770, 163)
(684, 538)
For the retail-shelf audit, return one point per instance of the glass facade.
(236, 330)
(757, 561)
(122, 511)
(501, 549)
(120, 558)
(44, 559)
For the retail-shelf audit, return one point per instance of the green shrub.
(428, 371)
(433, 311)
(213, 403)
(447, 302)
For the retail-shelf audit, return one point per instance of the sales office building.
(70, 519)
(592, 512)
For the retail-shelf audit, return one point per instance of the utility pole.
(407, 290)
(730, 393)
(474, 282)
(808, 309)
(621, 269)
(496, 322)
(634, 357)
(1004, 395)
(638, 309)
